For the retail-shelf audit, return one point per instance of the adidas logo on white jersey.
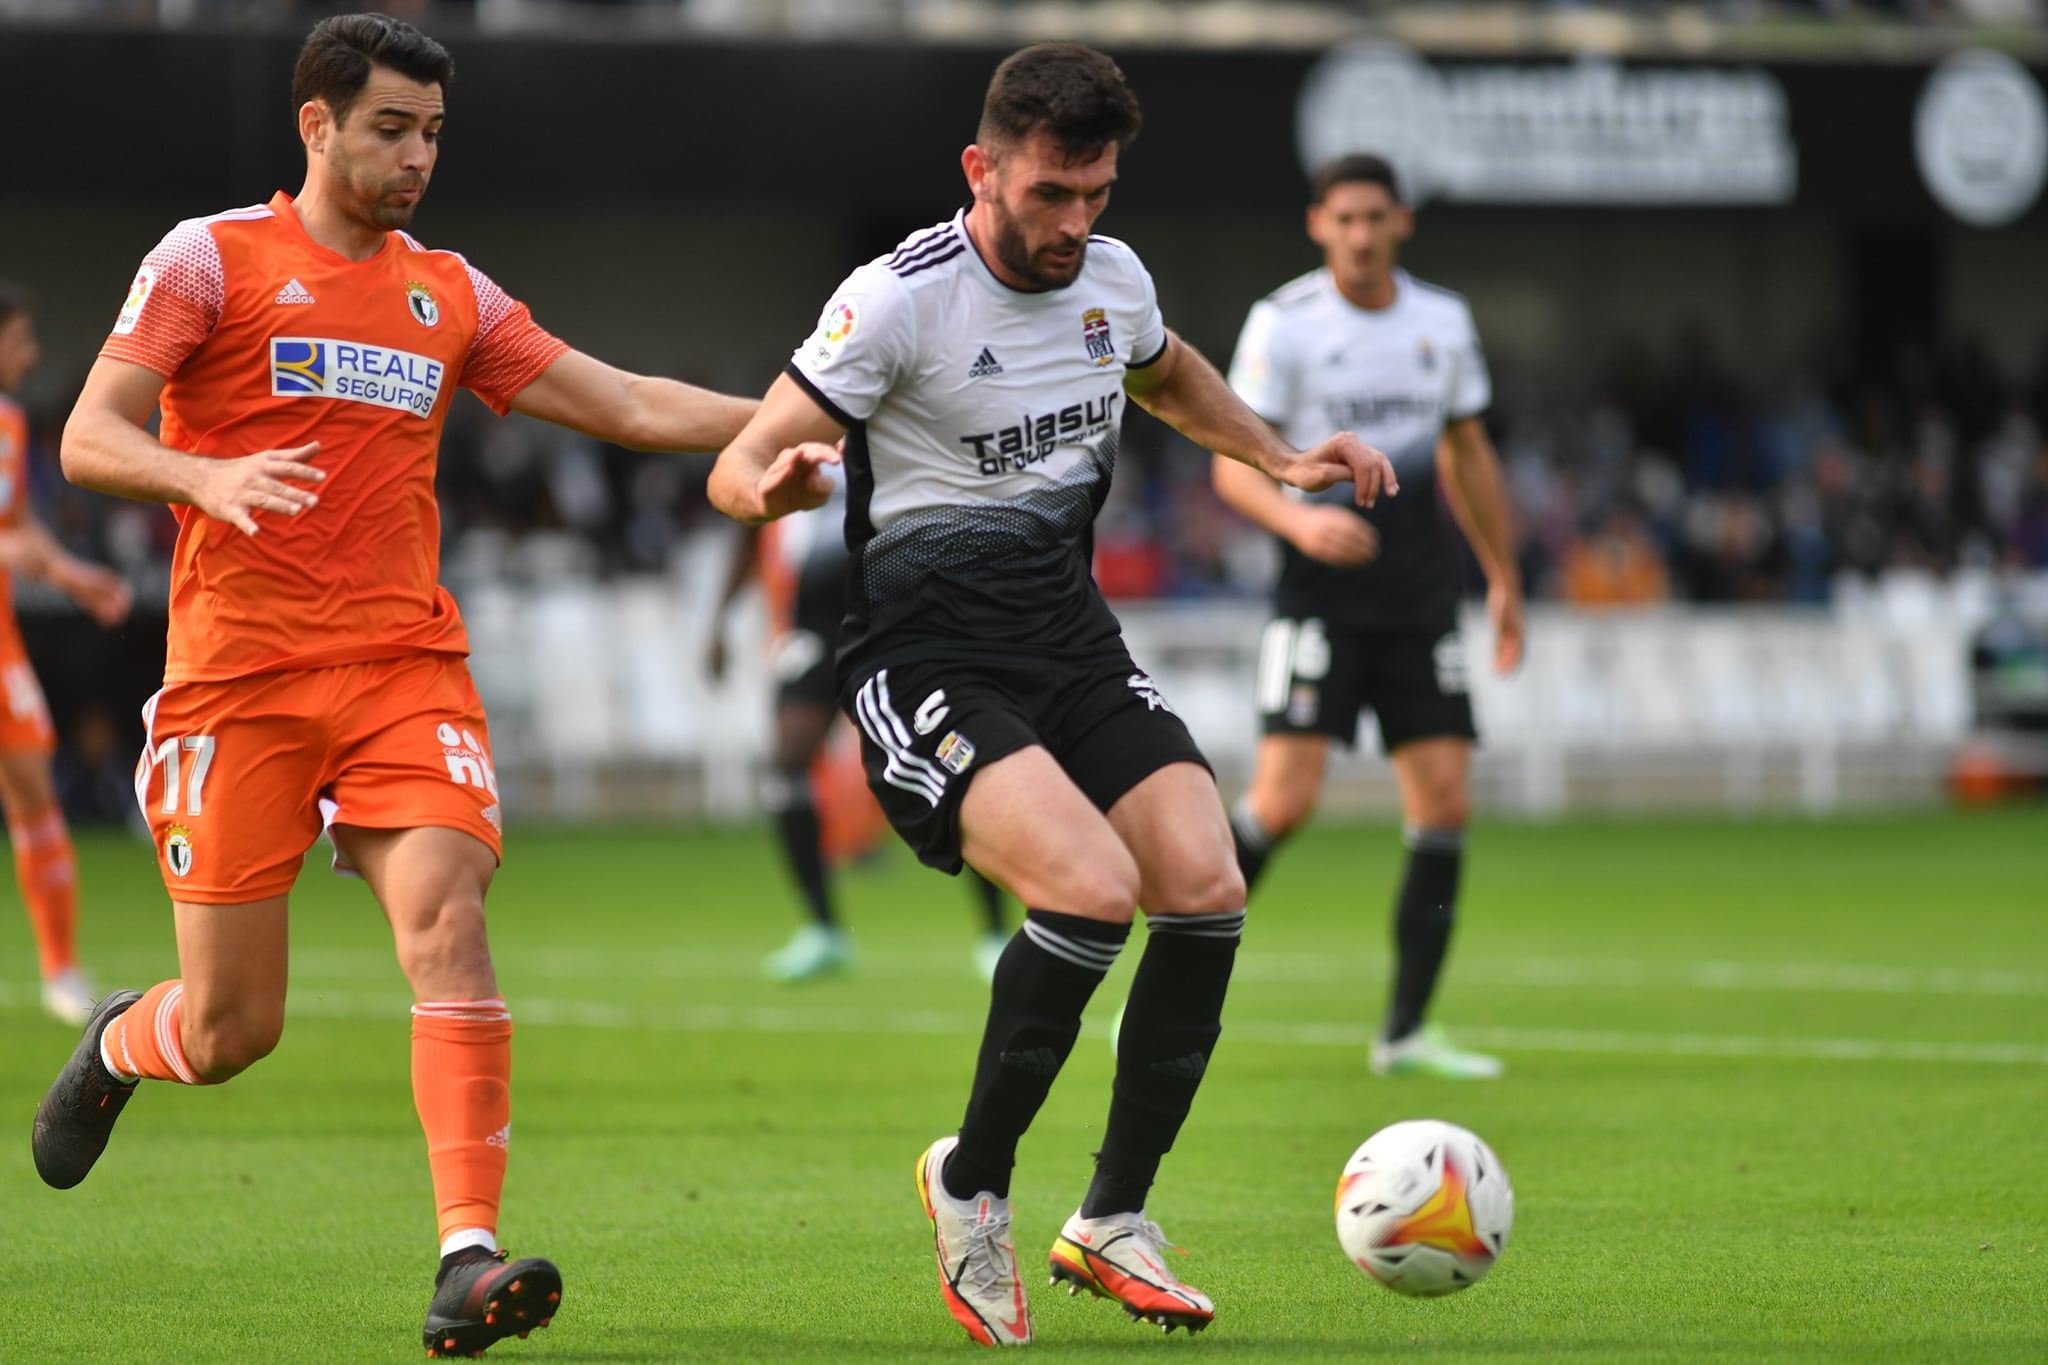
(985, 365)
(294, 293)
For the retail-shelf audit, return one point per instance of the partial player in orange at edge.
(303, 353)
(45, 867)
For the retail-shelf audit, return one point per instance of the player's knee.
(1200, 886)
(1446, 807)
(443, 944)
(1104, 888)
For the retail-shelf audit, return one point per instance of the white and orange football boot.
(1123, 1257)
(977, 1260)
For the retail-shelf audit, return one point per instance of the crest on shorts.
(419, 300)
(1095, 336)
(178, 850)
(955, 752)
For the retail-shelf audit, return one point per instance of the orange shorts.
(24, 715)
(238, 778)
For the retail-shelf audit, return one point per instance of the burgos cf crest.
(178, 850)
(1095, 335)
(420, 300)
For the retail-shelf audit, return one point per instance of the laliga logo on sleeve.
(138, 298)
(834, 328)
(839, 323)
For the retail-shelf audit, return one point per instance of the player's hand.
(104, 594)
(1333, 535)
(233, 491)
(1343, 458)
(797, 481)
(1504, 609)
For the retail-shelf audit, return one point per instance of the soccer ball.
(1424, 1207)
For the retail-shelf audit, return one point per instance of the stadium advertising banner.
(1583, 131)
(1910, 143)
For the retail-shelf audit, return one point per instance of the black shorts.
(1315, 679)
(927, 726)
(800, 659)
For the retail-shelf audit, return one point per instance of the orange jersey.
(269, 341)
(13, 493)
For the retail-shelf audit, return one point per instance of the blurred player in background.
(979, 375)
(1365, 613)
(44, 866)
(803, 562)
(304, 353)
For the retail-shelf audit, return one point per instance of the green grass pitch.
(1777, 1090)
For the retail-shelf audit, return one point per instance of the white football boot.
(977, 1260)
(1123, 1257)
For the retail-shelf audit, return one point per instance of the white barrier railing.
(601, 703)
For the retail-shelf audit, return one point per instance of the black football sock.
(1171, 1023)
(1254, 844)
(989, 897)
(1422, 922)
(787, 795)
(1043, 981)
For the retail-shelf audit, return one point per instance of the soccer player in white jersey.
(1365, 613)
(979, 375)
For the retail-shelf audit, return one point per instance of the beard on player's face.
(1014, 250)
(370, 189)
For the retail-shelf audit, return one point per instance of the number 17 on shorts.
(235, 774)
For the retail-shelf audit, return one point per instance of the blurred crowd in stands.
(1666, 477)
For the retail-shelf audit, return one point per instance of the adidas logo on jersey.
(985, 365)
(294, 292)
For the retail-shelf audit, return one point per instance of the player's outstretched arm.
(108, 449)
(1477, 493)
(637, 411)
(1183, 390)
(776, 465)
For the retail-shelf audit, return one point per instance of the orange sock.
(462, 1087)
(48, 876)
(143, 1039)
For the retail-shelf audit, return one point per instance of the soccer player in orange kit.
(304, 353)
(44, 865)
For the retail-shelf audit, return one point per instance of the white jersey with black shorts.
(982, 428)
(1382, 635)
